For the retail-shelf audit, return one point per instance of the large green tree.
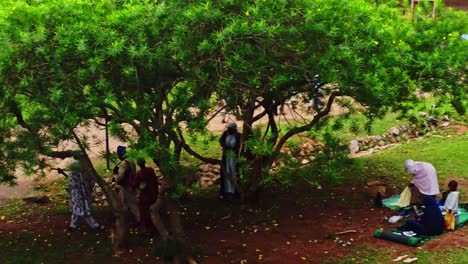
(264, 52)
(156, 65)
(66, 64)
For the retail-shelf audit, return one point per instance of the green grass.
(56, 191)
(447, 153)
(364, 254)
(354, 127)
(208, 146)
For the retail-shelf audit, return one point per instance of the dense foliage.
(159, 67)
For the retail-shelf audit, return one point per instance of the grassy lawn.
(368, 255)
(447, 153)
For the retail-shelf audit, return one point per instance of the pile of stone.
(208, 174)
(396, 135)
(303, 154)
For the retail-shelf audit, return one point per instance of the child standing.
(449, 204)
(449, 201)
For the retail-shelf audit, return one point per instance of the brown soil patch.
(286, 226)
(459, 129)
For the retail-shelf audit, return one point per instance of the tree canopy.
(151, 64)
(158, 65)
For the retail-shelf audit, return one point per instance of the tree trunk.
(256, 175)
(174, 219)
(156, 216)
(119, 230)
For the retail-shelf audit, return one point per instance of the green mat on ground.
(387, 202)
(396, 236)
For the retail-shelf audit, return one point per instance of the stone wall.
(397, 134)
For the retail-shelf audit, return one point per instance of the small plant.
(333, 159)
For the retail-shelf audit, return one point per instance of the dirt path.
(25, 184)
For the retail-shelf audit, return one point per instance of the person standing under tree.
(316, 96)
(147, 183)
(230, 142)
(81, 190)
(125, 172)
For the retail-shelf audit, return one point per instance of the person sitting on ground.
(147, 183)
(432, 222)
(424, 182)
(81, 190)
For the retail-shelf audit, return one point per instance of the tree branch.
(194, 153)
(14, 108)
(216, 113)
(297, 130)
(61, 154)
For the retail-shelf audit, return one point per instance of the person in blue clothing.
(432, 221)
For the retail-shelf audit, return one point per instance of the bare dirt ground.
(287, 226)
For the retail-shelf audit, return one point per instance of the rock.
(205, 182)
(373, 190)
(394, 131)
(381, 143)
(353, 146)
(305, 161)
(208, 174)
(41, 199)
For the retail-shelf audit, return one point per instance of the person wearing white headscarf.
(424, 181)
